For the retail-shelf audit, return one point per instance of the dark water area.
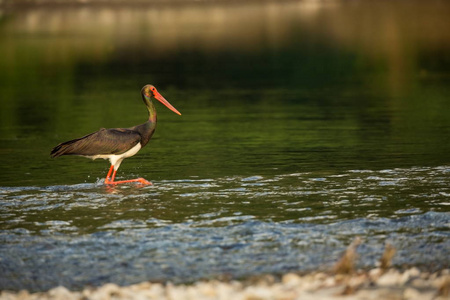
(304, 124)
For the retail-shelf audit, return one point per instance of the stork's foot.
(144, 181)
(110, 179)
(138, 180)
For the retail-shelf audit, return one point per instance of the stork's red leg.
(140, 180)
(107, 180)
(111, 181)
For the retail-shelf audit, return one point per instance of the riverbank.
(343, 281)
(373, 284)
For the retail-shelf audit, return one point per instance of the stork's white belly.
(116, 159)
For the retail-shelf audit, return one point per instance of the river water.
(304, 125)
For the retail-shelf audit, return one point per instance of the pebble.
(411, 293)
(374, 274)
(61, 293)
(291, 279)
(391, 278)
(375, 284)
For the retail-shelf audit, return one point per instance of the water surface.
(183, 230)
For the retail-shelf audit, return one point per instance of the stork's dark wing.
(104, 141)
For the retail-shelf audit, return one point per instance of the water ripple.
(182, 230)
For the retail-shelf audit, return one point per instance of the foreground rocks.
(374, 284)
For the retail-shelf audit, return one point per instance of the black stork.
(116, 144)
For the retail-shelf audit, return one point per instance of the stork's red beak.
(161, 99)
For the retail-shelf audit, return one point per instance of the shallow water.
(312, 124)
(188, 229)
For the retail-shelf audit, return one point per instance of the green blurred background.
(264, 87)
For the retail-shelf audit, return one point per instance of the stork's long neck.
(151, 109)
(148, 128)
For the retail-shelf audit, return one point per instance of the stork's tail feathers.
(65, 148)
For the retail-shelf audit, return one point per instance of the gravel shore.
(343, 281)
(373, 284)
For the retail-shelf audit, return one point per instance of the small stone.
(320, 276)
(419, 283)
(86, 293)
(110, 288)
(291, 279)
(408, 275)
(257, 293)
(329, 282)
(106, 291)
(357, 281)
(229, 290)
(390, 278)
(8, 295)
(60, 292)
(411, 293)
(175, 292)
(23, 294)
(156, 291)
(374, 274)
(142, 286)
(206, 289)
(413, 272)
(266, 280)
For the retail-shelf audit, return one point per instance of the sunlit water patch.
(194, 228)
